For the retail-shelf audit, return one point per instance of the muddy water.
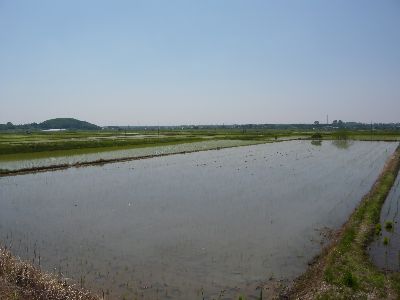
(188, 226)
(387, 256)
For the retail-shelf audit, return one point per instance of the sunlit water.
(188, 226)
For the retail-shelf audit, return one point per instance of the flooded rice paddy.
(195, 226)
(118, 154)
(385, 249)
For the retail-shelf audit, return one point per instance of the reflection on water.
(342, 144)
(316, 142)
(387, 256)
(188, 226)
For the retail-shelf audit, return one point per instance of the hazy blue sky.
(197, 62)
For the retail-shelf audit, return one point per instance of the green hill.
(67, 123)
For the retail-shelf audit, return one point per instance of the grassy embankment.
(19, 146)
(344, 270)
(41, 146)
(364, 135)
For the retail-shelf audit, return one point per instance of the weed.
(386, 241)
(350, 280)
(389, 225)
(329, 276)
(378, 229)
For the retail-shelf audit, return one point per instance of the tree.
(316, 123)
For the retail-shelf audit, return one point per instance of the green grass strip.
(348, 270)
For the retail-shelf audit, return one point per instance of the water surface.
(189, 226)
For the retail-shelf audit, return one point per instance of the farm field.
(194, 226)
(101, 155)
(17, 145)
(21, 150)
(199, 150)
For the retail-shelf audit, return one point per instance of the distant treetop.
(58, 123)
(67, 123)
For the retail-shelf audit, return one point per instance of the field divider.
(343, 270)
(56, 167)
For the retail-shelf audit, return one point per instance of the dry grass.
(21, 280)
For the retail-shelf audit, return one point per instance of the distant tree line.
(69, 123)
(58, 123)
(336, 124)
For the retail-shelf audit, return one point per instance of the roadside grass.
(345, 271)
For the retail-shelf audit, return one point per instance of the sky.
(200, 62)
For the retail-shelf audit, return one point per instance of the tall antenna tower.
(327, 119)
